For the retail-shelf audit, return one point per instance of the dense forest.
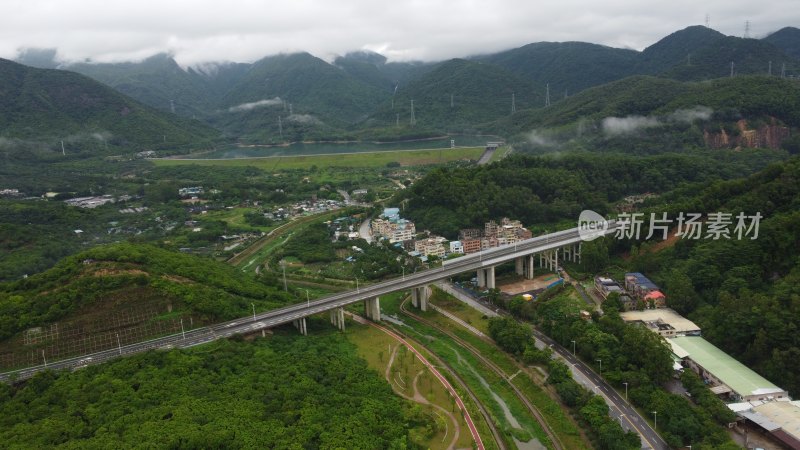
(548, 189)
(212, 289)
(743, 293)
(281, 392)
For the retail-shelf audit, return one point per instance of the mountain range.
(293, 97)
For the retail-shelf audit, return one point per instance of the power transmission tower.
(769, 70)
(290, 109)
(566, 94)
(783, 70)
(547, 96)
(172, 106)
(451, 100)
(731, 69)
(708, 20)
(747, 29)
(688, 59)
(413, 118)
(397, 121)
(513, 103)
(280, 127)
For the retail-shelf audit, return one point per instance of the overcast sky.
(246, 30)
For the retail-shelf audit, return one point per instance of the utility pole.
(451, 101)
(513, 103)
(731, 69)
(397, 121)
(783, 70)
(44, 358)
(64, 152)
(172, 106)
(283, 265)
(769, 70)
(547, 96)
(254, 311)
(119, 344)
(413, 118)
(183, 332)
(280, 127)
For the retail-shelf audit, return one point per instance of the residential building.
(471, 245)
(430, 247)
(639, 286)
(469, 233)
(606, 286)
(456, 247)
(665, 321)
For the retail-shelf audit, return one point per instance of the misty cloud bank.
(259, 104)
(303, 118)
(615, 126)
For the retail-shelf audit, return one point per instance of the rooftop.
(666, 315)
(784, 414)
(641, 280)
(731, 372)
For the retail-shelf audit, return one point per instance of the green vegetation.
(48, 106)
(632, 355)
(743, 293)
(212, 289)
(408, 376)
(549, 189)
(283, 392)
(350, 160)
(480, 93)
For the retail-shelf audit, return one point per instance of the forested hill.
(569, 67)
(350, 98)
(745, 294)
(456, 95)
(649, 114)
(102, 276)
(786, 39)
(549, 189)
(46, 104)
(269, 393)
(157, 81)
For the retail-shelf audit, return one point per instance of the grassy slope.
(374, 159)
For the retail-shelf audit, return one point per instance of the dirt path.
(554, 440)
(467, 418)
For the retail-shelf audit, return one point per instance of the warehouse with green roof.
(725, 374)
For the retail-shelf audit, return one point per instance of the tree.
(681, 295)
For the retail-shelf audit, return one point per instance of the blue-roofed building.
(391, 214)
(640, 286)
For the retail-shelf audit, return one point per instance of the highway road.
(287, 314)
(620, 408)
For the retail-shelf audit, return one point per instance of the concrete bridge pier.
(549, 259)
(419, 297)
(576, 253)
(486, 277)
(528, 267)
(337, 318)
(372, 309)
(519, 265)
(300, 324)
